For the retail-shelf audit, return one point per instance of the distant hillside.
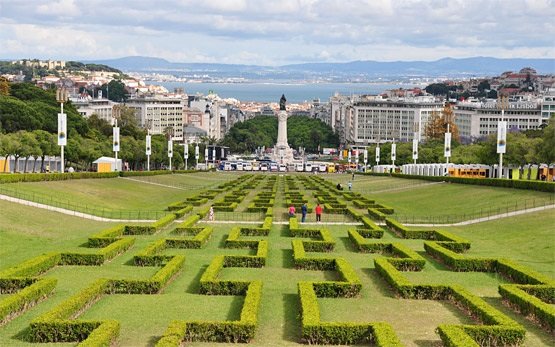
(476, 66)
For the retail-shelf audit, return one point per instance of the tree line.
(28, 130)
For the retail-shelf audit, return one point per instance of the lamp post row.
(62, 96)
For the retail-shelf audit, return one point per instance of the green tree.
(115, 91)
(29, 147)
(4, 86)
(47, 144)
(547, 146)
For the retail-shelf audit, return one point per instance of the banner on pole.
(415, 148)
(115, 136)
(447, 152)
(148, 145)
(378, 154)
(62, 129)
(393, 151)
(502, 137)
(170, 149)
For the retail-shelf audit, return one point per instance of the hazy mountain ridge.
(475, 66)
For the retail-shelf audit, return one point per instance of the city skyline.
(277, 32)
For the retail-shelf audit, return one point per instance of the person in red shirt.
(292, 211)
(318, 210)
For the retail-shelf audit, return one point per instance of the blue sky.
(276, 32)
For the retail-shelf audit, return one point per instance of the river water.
(294, 92)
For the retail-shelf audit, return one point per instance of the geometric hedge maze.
(313, 248)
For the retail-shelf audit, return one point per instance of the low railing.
(483, 213)
(91, 210)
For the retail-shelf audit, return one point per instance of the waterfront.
(271, 92)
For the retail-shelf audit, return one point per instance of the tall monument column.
(282, 152)
(282, 124)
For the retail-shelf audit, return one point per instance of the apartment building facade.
(378, 121)
(480, 119)
(160, 112)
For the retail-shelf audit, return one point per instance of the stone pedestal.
(282, 154)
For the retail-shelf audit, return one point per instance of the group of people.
(304, 210)
(340, 187)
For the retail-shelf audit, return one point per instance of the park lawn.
(528, 239)
(26, 232)
(144, 318)
(458, 202)
(190, 181)
(112, 194)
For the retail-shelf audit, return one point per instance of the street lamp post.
(393, 153)
(502, 103)
(447, 149)
(170, 151)
(61, 97)
(115, 133)
(365, 158)
(196, 156)
(185, 153)
(415, 147)
(206, 157)
(148, 141)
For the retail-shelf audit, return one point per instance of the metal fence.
(518, 205)
(92, 210)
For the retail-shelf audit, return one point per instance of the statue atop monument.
(282, 102)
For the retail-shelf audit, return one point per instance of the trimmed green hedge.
(24, 298)
(540, 309)
(33, 267)
(152, 285)
(99, 257)
(55, 326)
(38, 177)
(314, 331)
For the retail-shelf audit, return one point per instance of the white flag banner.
(447, 152)
(415, 148)
(214, 154)
(115, 136)
(148, 145)
(196, 152)
(378, 154)
(62, 129)
(170, 149)
(393, 151)
(502, 137)
(365, 156)
(356, 156)
(206, 153)
(349, 156)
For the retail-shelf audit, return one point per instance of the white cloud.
(278, 31)
(61, 8)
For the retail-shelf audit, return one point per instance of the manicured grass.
(27, 232)
(528, 239)
(419, 201)
(113, 197)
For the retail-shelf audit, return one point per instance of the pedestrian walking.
(211, 214)
(318, 210)
(304, 210)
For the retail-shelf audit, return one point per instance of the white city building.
(160, 112)
(375, 120)
(480, 119)
(101, 107)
